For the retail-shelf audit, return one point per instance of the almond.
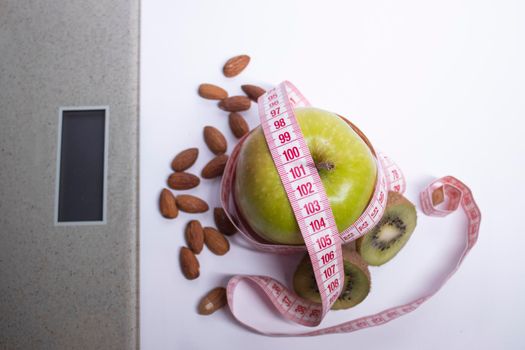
(215, 167)
(212, 92)
(238, 125)
(235, 65)
(253, 91)
(194, 236)
(222, 222)
(215, 241)
(438, 196)
(189, 264)
(213, 301)
(185, 159)
(191, 204)
(183, 181)
(215, 140)
(168, 205)
(235, 104)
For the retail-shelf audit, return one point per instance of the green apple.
(345, 164)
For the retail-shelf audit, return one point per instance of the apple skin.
(260, 195)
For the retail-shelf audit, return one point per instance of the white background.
(438, 85)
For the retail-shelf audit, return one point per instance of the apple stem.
(324, 165)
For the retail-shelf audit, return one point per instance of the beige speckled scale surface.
(66, 286)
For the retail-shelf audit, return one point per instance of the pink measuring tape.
(322, 240)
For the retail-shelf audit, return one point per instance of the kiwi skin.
(396, 202)
(304, 277)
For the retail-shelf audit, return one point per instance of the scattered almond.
(222, 222)
(238, 125)
(168, 205)
(194, 236)
(213, 301)
(191, 204)
(212, 92)
(235, 104)
(215, 241)
(183, 181)
(189, 264)
(253, 91)
(215, 140)
(235, 65)
(185, 159)
(215, 167)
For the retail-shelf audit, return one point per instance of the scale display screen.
(81, 168)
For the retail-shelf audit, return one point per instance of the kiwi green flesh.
(356, 289)
(388, 237)
(356, 285)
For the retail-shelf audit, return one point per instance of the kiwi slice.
(355, 286)
(392, 232)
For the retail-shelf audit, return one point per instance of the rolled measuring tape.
(319, 231)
